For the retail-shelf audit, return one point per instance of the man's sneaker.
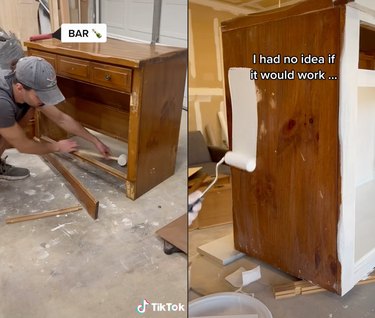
(9, 172)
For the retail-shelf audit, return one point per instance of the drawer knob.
(107, 77)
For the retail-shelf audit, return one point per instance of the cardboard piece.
(193, 170)
(175, 233)
(216, 206)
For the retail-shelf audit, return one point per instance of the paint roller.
(121, 159)
(244, 125)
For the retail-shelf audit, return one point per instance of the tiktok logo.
(141, 309)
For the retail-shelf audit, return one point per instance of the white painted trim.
(364, 266)
(350, 79)
(364, 5)
(366, 78)
(367, 15)
(347, 136)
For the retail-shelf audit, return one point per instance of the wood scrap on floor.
(221, 251)
(303, 288)
(41, 215)
(82, 194)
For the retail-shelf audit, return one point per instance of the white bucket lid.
(227, 304)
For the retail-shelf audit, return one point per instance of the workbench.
(130, 91)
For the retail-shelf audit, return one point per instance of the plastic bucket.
(227, 304)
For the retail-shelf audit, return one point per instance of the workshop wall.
(20, 17)
(206, 93)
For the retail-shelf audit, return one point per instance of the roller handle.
(94, 154)
(41, 37)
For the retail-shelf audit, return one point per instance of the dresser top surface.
(113, 51)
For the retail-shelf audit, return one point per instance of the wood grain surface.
(286, 212)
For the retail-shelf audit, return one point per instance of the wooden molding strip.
(82, 194)
(303, 288)
(41, 215)
(112, 171)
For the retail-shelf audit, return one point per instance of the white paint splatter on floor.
(43, 254)
(47, 197)
(30, 192)
(127, 222)
(60, 226)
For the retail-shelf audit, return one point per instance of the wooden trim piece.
(41, 215)
(303, 288)
(112, 171)
(82, 194)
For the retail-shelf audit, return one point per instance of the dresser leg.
(130, 190)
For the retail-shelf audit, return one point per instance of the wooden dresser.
(309, 206)
(129, 91)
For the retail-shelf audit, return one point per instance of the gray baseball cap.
(36, 73)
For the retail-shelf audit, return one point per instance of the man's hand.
(103, 149)
(67, 145)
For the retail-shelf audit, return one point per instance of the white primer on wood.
(365, 220)
(350, 245)
(244, 119)
(347, 132)
(365, 5)
(366, 78)
(365, 136)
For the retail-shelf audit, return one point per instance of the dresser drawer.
(50, 58)
(111, 76)
(73, 68)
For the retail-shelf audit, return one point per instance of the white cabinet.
(356, 239)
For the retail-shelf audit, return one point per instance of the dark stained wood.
(112, 52)
(42, 215)
(49, 57)
(102, 118)
(160, 113)
(82, 194)
(75, 68)
(110, 76)
(130, 91)
(286, 212)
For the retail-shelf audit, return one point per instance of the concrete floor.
(72, 266)
(207, 277)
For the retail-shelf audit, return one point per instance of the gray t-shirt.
(10, 111)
